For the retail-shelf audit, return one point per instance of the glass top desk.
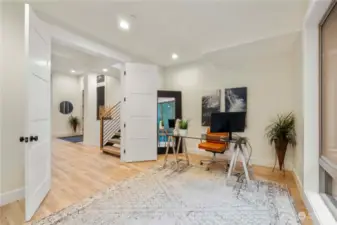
(238, 149)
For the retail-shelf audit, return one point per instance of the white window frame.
(318, 209)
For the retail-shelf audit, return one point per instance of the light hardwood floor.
(79, 172)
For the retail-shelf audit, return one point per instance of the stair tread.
(115, 141)
(112, 150)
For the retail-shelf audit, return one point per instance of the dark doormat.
(74, 139)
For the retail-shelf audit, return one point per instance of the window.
(328, 109)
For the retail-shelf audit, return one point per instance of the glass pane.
(329, 87)
(329, 192)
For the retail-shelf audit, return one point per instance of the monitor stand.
(230, 136)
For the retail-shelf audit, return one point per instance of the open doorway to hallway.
(82, 84)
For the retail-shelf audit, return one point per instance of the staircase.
(110, 136)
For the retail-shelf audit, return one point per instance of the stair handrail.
(105, 110)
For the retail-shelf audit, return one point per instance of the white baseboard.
(298, 183)
(318, 211)
(12, 196)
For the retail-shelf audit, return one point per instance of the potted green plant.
(183, 126)
(161, 125)
(74, 122)
(282, 132)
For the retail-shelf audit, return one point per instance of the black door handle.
(23, 139)
(34, 138)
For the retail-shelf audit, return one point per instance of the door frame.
(178, 111)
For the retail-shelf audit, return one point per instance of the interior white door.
(140, 112)
(38, 127)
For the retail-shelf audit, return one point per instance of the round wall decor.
(66, 107)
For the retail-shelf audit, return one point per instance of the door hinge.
(124, 99)
(124, 151)
(124, 124)
(124, 73)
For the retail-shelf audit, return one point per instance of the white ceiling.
(259, 49)
(188, 28)
(65, 58)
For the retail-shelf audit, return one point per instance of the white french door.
(140, 112)
(38, 123)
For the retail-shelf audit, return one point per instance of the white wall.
(297, 86)
(112, 90)
(91, 124)
(1, 83)
(12, 103)
(269, 81)
(65, 88)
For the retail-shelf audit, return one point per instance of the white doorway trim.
(86, 45)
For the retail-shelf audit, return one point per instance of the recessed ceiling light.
(124, 25)
(174, 56)
(72, 71)
(105, 70)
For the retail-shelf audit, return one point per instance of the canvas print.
(236, 99)
(210, 104)
(100, 78)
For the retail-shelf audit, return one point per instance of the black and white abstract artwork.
(236, 99)
(210, 104)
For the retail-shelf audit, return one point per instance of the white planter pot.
(182, 132)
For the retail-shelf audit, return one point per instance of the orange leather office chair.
(213, 144)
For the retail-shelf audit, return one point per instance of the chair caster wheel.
(201, 163)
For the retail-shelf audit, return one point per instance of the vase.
(281, 149)
(182, 132)
(74, 128)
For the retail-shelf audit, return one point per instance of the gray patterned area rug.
(191, 196)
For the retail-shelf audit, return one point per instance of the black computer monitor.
(171, 123)
(228, 122)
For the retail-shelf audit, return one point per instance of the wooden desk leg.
(167, 150)
(185, 151)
